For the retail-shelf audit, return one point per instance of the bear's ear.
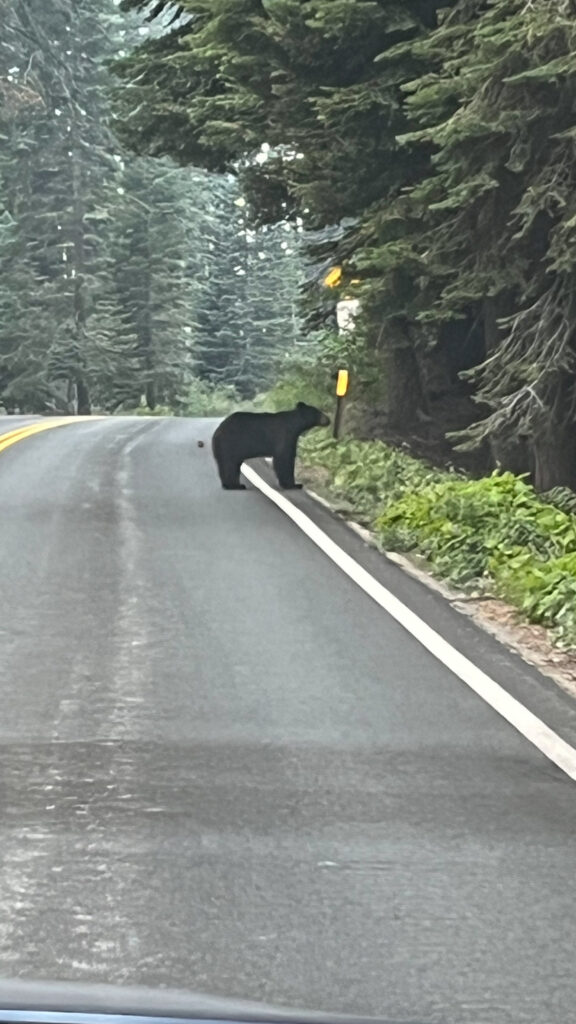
(301, 405)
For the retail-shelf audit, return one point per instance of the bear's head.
(310, 416)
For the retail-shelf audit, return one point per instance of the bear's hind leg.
(283, 463)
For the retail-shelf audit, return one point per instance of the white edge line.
(524, 721)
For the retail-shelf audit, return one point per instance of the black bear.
(252, 435)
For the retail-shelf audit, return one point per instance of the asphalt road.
(222, 767)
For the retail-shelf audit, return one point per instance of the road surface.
(222, 767)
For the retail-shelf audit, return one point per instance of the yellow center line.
(17, 431)
(21, 433)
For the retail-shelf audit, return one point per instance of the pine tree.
(58, 172)
(154, 255)
(499, 215)
(246, 317)
(274, 277)
(299, 76)
(219, 268)
(24, 329)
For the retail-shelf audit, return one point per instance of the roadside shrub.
(562, 497)
(309, 371)
(368, 474)
(299, 383)
(495, 534)
(544, 590)
(201, 399)
(143, 410)
(461, 525)
(204, 399)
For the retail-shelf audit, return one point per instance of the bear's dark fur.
(252, 435)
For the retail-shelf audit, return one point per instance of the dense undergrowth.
(495, 534)
(200, 399)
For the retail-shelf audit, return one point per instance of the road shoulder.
(471, 636)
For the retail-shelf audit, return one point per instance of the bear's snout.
(324, 420)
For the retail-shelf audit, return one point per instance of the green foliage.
(496, 216)
(296, 385)
(58, 173)
(246, 315)
(544, 590)
(299, 76)
(143, 410)
(204, 399)
(495, 534)
(498, 533)
(368, 475)
(303, 378)
(563, 498)
(308, 372)
(153, 256)
(461, 525)
(200, 399)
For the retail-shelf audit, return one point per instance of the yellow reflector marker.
(333, 278)
(342, 383)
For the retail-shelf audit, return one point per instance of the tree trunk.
(404, 397)
(492, 311)
(511, 454)
(554, 452)
(151, 400)
(146, 331)
(84, 403)
(71, 398)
